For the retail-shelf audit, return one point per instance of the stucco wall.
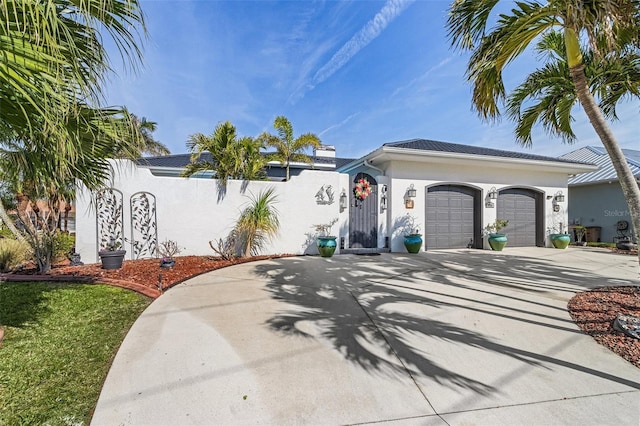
(599, 205)
(190, 212)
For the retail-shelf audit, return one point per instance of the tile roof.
(430, 145)
(598, 156)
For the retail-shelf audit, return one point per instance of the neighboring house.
(596, 199)
(449, 191)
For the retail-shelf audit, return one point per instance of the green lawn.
(59, 342)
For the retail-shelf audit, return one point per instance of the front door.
(363, 215)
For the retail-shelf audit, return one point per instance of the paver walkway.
(444, 337)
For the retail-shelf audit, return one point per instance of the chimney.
(325, 151)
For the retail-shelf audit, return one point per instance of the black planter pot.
(167, 263)
(112, 259)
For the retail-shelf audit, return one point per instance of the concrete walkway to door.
(444, 337)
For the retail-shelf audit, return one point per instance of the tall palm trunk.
(630, 188)
(9, 223)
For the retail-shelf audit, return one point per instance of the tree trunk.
(630, 187)
(9, 223)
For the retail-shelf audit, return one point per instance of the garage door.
(518, 206)
(451, 218)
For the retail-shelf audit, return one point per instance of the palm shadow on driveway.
(355, 304)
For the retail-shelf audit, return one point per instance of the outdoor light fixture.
(411, 192)
(383, 203)
(559, 197)
(383, 197)
(343, 200)
(493, 194)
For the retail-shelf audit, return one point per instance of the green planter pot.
(112, 259)
(413, 243)
(497, 241)
(326, 246)
(560, 241)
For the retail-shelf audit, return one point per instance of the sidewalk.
(445, 337)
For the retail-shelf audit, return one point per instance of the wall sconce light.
(559, 197)
(383, 203)
(383, 197)
(493, 193)
(411, 192)
(343, 201)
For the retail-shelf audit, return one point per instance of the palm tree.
(287, 148)
(33, 171)
(548, 95)
(609, 29)
(54, 61)
(146, 129)
(258, 223)
(231, 158)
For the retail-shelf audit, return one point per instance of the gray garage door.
(518, 206)
(451, 218)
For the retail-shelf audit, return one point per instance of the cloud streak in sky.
(390, 11)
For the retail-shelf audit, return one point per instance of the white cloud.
(335, 126)
(391, 10)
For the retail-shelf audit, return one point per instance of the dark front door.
(363, 216)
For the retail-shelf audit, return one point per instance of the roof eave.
(391, 153)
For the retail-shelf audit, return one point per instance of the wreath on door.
(362, 189)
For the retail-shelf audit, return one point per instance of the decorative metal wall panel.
(144, 229)
(109, 219)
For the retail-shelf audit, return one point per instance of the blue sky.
(358, 74)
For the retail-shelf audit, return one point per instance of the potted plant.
(580, 233)
(497, 240)
(412, 235)
(560, 240)
(168, 249)
(326, 243)
(110, 256)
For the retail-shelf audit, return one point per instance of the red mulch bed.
(141, 275)
(594, 312)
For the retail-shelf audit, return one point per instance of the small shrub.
(168, 249)
(6, 233)
(496, 227)
(226, 248)
(12, 254)
(63, 245)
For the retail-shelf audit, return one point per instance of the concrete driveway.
(454, 337)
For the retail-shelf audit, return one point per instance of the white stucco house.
(449, 191)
